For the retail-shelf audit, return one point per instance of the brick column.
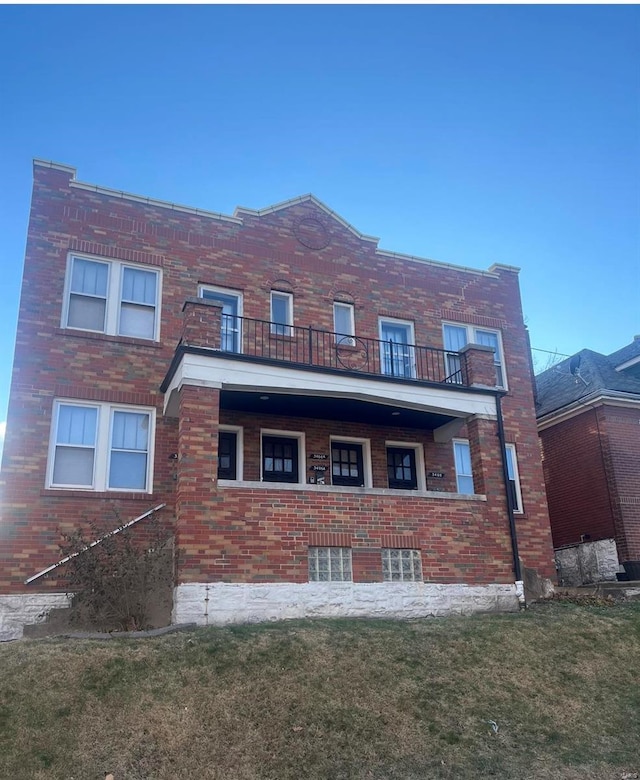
(201, 323)
(477, 366)
(486, 460)
(197, 480)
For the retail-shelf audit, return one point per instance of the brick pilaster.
(197, 480)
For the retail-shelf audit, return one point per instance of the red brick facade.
(592, 472)
(252, 531)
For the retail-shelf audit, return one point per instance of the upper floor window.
(344, 324)
(112, 297)
(397, 350)
(281, 313)
(464, 473)
(514, 478)
(231, 302)
(101, 447)
(458, 336)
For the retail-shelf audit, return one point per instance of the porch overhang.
(338, 394)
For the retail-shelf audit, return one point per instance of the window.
(347, 464)
(231, 302)
(514, 478)
(101, 447)
(401, 565)
(330, 564)
(281, 313)
(397, 352)
(458, 336)
(401, 468)
(344, 323)
(280, 458)
(464, 474)
(111, 297)
(227, 455)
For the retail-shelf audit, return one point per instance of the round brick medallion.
(311, 233)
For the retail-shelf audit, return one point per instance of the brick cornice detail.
(115, 252)
(107, 396)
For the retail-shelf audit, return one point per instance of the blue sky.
(467, 134)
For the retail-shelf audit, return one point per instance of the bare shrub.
(123, 582)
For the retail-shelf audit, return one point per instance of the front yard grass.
(551, 693)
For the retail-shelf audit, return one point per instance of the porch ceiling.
(340, 409)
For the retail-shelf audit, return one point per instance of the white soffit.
(222, 373)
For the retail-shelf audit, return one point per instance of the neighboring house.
(588, 410)
(324, 420)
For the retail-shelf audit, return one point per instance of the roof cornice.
(493, 272)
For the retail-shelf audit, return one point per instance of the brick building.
(334, 428)
(588, 410)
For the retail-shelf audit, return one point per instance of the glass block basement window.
(401, 565)
(330, 564)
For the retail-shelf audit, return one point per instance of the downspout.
(512, 520)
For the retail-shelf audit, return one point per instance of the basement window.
(401, 565)
(330, 564)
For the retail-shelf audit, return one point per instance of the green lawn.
(553, 693)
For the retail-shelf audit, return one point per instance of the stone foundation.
(25, 609)
(587, 563)
(221, 603)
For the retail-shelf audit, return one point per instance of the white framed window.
(351, 461)
(514, 479)
(330, 564)
(405, 466)
(464, 473)
(281, 313)
(230, 452)
(456, 336)
(401, 565)
(282, 456)
(101, 447)
(231, 319)
(344, 323)
(112, 297)
(397, 348)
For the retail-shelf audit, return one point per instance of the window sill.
(362, 491)
(102, 494)
(90, 335)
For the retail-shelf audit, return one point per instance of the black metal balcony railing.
(326, 349)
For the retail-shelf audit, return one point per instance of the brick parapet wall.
(263, 535)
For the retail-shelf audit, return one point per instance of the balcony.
(242, 355)
(262, 340)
